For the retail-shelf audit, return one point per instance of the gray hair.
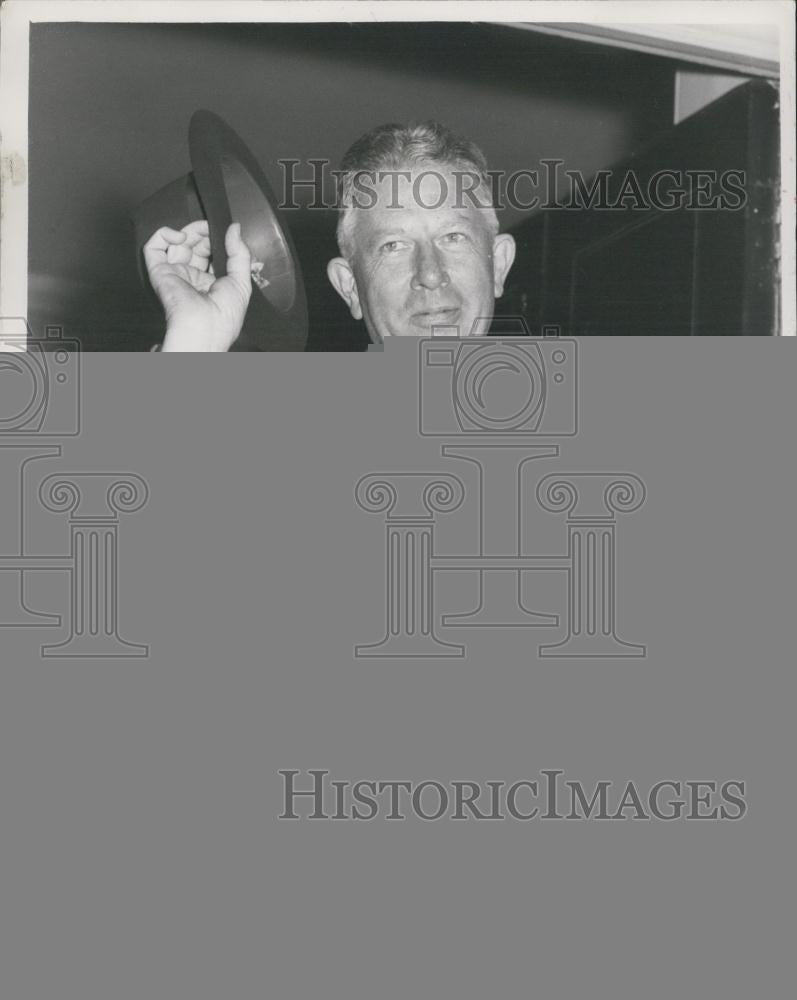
(397, 147)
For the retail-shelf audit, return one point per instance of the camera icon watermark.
(502, 405)
(495, 387)
(40, 410)
(41, 391)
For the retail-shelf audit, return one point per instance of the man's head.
(418, 234)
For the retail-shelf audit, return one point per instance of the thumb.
(239, 260)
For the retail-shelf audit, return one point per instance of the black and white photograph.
(238, 185)
(186, 180)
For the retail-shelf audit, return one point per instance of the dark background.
(110, 105)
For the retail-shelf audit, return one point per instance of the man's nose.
(429, 269)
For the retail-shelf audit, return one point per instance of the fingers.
(198, 242)
(195, 248)
(157, 246)
(239, 260)
(164, 238)
(200, 227)
(195, 234)
(190, 246)
(197, 255)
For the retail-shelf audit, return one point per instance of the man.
(418, 237)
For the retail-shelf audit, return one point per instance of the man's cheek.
(474, 284)
(474, 266)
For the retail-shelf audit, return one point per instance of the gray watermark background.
(140, 850)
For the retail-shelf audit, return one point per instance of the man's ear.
(342, 278)
(503, 258)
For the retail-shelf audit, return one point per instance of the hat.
(227, 185)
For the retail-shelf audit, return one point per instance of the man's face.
(424, 260)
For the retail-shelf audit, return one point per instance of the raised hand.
(203, 313)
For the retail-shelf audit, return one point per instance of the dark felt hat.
(227, 185)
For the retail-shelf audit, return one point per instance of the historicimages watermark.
(549, 795)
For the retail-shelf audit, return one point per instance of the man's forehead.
(429, 186)
(401, 219)
(415, 200)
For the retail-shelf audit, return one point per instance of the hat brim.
(233, 188)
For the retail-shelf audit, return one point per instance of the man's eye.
(455, 237)
(392, 246)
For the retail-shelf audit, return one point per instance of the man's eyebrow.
(378, 235)
(457, 216)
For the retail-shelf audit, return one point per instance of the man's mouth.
(429, 318)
